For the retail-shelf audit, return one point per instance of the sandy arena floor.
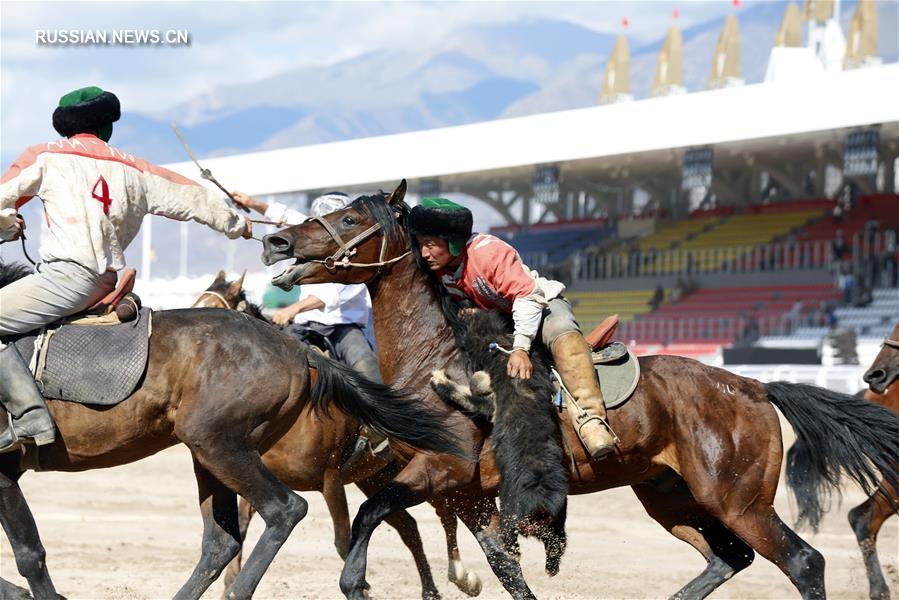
(134, 532)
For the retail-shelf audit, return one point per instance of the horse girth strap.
(891, 343)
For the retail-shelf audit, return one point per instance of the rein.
(23, 238)
(891, 343)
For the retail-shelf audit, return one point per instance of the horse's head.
(346, 246)
(223, 294)
(885, 369)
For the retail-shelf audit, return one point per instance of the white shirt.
(344, 304)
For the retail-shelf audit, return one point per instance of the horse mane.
(10, 272)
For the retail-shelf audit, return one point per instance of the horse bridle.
(894, 344)
(216, 295)
(341, 258)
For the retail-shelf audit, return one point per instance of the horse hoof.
(470, 584)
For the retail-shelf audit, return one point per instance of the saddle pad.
(618, 379)
(92, 364)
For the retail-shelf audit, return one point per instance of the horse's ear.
(219, 277)
(237, 285)
(398, 194)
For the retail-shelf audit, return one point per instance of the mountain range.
(480, 73)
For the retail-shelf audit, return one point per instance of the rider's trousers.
(59, 289)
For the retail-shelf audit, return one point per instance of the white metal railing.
(672, 329)
(778, 256)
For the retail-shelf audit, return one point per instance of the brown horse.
(313, 456)
(227, 386)
(867, 518)
(700, 446)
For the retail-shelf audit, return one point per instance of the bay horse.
(867, 518)
(701, 447)
(313, 456)
(226, 386)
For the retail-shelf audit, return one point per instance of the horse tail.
(835, 433)
(395, 412)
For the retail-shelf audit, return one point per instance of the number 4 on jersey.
(103, 196)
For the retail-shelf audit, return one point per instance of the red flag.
(736, 3)
(675, 14)
(625, 22)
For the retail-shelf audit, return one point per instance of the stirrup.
(583, 417)
(16, 442)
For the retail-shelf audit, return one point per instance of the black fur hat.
(86, 110)
(442, 218)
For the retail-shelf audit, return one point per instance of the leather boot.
(29, 420)
(585, 404)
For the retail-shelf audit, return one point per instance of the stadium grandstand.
(758, 217)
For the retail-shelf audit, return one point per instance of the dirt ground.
(134, 532)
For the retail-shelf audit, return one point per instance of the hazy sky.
(246, 41)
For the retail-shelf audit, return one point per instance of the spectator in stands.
(846, 282)
(839, 250)
(838, 213)
(794, 317)
(750, 332)
(657, 298)
(889, 261)
(678, 291)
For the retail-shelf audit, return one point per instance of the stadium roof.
(753, 112)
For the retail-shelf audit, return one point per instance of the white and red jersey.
(493, 275)
(95, 198)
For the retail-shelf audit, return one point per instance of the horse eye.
(348, 220)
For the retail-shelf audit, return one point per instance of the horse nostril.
(277, 243)
(875, 376)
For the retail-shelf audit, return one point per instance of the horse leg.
(335, 498)
(674, 508)
(244, 515)
(10, 591)
(465, 580)
(221, 534)
(866, 520)
(242, 470)
(394, 496)
(407, 528)
(747, 510)
(482, 519)
(21, 531)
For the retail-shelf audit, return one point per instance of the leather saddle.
(617, 369)
(118, 306)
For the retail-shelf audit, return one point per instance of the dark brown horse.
(312, 456)
(228, 387)
(700, 446)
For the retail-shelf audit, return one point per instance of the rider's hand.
(248, 232)
(20, 227)
(519, 364)
(245, 201)
(284, 316)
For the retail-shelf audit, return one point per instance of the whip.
(206, 173)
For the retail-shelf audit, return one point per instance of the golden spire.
(616, 84)
(789, 35)
(726, 63)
